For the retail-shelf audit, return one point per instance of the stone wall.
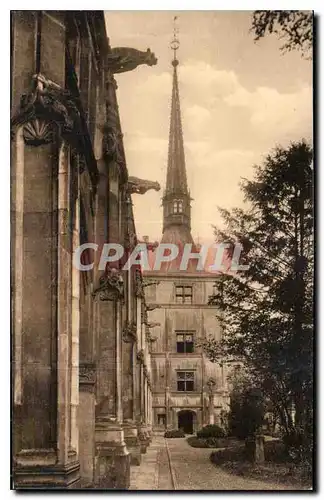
(81, 356)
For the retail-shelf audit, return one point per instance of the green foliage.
(266, 312)
(293, 26)
(176, 433)
(211, 431)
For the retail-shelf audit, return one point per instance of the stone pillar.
(112, 457)
(168, 410)
(90, 327)
(254, 446)
(112, 463)
(45, 448)
(129, 389)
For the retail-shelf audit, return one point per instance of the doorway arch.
(186, 421)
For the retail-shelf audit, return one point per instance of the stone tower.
(176, 199)
(188, 390)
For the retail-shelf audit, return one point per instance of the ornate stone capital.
(141, 186)
(111, 286)
(129, 332)
(45, 110)
(122, 59)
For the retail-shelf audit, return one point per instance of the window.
(185, 342)
(184, 294)
(185, 381)
(177, 207)
(161, 419)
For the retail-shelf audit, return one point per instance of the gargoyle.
(150, 283)
(141, 186)
(122, 59)
(152, 325)
(151, 307)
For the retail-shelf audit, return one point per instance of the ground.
(172, 464)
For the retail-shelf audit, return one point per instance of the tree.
(266, 312)
(294, 26)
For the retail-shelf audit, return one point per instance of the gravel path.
(194, 471)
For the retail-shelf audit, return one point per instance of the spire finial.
(175, 44)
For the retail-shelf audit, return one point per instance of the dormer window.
(177, 207)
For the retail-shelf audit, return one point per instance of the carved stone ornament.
(112, 142)
(211, 384)
(122, 59)
(130, 240)
(87, 373)
(129, 332)
(141, 186)
(139, 287)
(45, 110)
(111, 286)
(140, 356)
(144, 316)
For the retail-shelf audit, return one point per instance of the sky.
(239, 99)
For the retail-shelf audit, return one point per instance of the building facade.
(81, 369)
(189, 391)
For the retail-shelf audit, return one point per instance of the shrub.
(210, 442)
(176, 433)
(211, 431)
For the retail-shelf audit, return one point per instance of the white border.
(317, 6)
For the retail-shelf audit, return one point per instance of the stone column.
(46, 449)
(168, 410)
(112, 457)
(129, 380)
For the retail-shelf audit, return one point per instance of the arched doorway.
(185, 421)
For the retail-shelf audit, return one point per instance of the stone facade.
(206, 399)
(81, 353)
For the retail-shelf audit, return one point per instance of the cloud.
(227, 129)
(272, 111)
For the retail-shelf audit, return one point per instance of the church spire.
(176, 199)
